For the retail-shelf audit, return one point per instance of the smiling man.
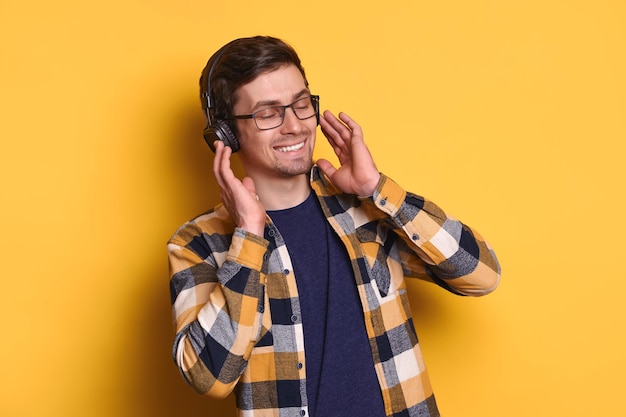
(291, 291)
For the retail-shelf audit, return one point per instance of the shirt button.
(415, 236)
(265, 256)
(294, 318)
(271, 232)
(286, 271)
(300, 365)
(383, 201)
(302, 412)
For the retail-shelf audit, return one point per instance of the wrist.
(368, 190)
(255, 229)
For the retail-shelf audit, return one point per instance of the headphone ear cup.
(220, 130)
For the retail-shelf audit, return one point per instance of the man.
(291, 292)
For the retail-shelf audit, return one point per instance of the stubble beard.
(296, 167)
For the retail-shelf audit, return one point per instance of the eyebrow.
(269, 103)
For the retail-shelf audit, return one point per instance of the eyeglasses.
(273, 117)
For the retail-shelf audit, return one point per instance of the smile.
(291, 148)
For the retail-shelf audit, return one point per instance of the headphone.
(217, 129)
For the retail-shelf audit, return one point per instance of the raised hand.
(357, 173)
(239, 197)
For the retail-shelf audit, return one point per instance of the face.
(286, 150)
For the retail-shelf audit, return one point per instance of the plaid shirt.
(237, 314)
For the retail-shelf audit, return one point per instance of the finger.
(333, 129)
(248, 183)
(328, 130)
(331, 141)
(334, 126)
(224, 175)
(355, 128)
(352, 125)
(339, 126)
(217, 161)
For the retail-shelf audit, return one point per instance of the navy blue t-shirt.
(341, 380)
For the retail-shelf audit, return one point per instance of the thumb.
(326, 167)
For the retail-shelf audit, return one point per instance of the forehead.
(279, 86)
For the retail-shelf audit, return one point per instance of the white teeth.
(291, 148)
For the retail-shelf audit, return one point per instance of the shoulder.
(216, 221)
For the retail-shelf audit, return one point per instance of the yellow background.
(509, 114)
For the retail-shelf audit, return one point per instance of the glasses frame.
(315, 101)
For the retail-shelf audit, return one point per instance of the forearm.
(216, 307)
(454, 254)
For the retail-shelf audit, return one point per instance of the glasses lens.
(269, 118)
(304, 108)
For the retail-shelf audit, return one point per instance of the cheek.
(241, 130)
(312, 126)
(254, 144)
(313, 133)
(246, 135)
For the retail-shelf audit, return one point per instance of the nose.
(291, 123)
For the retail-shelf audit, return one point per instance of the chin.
(297, 167)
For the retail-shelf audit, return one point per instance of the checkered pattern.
(237, 314)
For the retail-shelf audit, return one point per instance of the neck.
(283, 193)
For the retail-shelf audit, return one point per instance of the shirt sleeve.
(217, 293)
(456, 256)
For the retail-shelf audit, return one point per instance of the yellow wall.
(509, 114)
